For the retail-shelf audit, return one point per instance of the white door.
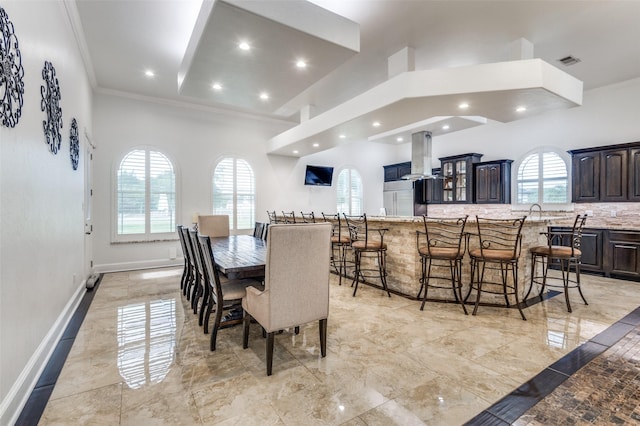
(88, 206)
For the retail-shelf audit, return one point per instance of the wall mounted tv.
(318, 175)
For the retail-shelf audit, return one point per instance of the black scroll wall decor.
(50, 103)
(74, 144)
(11, 73)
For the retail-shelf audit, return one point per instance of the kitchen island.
(403, 260)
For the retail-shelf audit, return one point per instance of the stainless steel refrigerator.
(397, 198)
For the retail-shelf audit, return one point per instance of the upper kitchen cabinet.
(396, 171)
(457, 177)
(606, 174)
(493, 182)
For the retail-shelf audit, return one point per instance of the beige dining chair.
(296, 282)
(216, 225)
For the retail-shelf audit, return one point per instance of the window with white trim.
(234, 192)
(145, 197)
(349, 192)
(542, 178)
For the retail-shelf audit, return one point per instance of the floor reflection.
(146, 341)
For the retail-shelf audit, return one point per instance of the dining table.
(240, 256)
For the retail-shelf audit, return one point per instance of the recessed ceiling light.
(216, 86)
(445, 127)
(376, 124)
(301, 63)
(315, 145)
(149, 73)
(342, 136)
(521, 109)
(295, 151)
(399, 139)
(264, 96)
(244, 45)
(463, 105)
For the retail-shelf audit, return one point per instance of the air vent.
(569, 60)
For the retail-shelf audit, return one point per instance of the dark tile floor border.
(34, 407)
(513, 406)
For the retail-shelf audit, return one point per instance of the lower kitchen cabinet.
(591, 246)
(623, 249)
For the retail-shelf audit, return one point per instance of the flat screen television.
(318, 175)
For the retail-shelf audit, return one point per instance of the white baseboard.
(17, 397)
(143, 264)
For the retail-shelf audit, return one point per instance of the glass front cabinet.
(457, 177)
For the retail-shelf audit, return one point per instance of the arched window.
(349, 192)
(542, 178)
(234, 192)
(146, 196)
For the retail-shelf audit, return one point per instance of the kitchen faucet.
(539, 209)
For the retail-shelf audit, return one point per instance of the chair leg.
(457, 272)
(566, 268)
(426, 273)
(216, 326)
(479, 285)
(323, 337)
(356, 274)
(245, 330)
(514, 274)
(382, 269)
(270, 338)
(205, 302)
(207, 315)
(504, 272)
(577, 267)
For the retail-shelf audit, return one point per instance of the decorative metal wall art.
(74, 144)
(11, 73)
(50, 103)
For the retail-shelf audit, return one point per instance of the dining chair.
(288, 217)
(258, 229)
(225, 297)
(563, 251)
(441, 245)
(192, 282)
(369, 251)
(201, 290)
(340, 241)
(498, 252)
(215, 225)
(296, 288)
(186, 273)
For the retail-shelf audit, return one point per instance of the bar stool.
(500, 243)
(442, 246)
(367, 242)
(340, 241)
(308, 217)
(288, 217)
(563, 250)
(273, 218)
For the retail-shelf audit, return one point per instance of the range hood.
(421, 161)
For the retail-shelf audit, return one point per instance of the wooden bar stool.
(441, 245)
(563, 250)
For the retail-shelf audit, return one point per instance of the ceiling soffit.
(493, 91)
(279, 36)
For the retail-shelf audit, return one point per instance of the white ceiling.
(126, 37)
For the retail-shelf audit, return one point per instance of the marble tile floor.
(140, 358)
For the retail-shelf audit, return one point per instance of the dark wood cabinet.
(606, 174)
(623, 254)
(457, 177)
(396, 171)
(434, 188)
(634, 174)
(493, 182)
(591, 246)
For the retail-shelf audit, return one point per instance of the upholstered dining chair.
(296, 288)
(215, 225)
(225, 296)
(562, 250)
(498, 252)
(441, 245)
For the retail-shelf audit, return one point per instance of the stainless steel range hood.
(421, 161)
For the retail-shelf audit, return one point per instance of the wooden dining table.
(240, 256)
